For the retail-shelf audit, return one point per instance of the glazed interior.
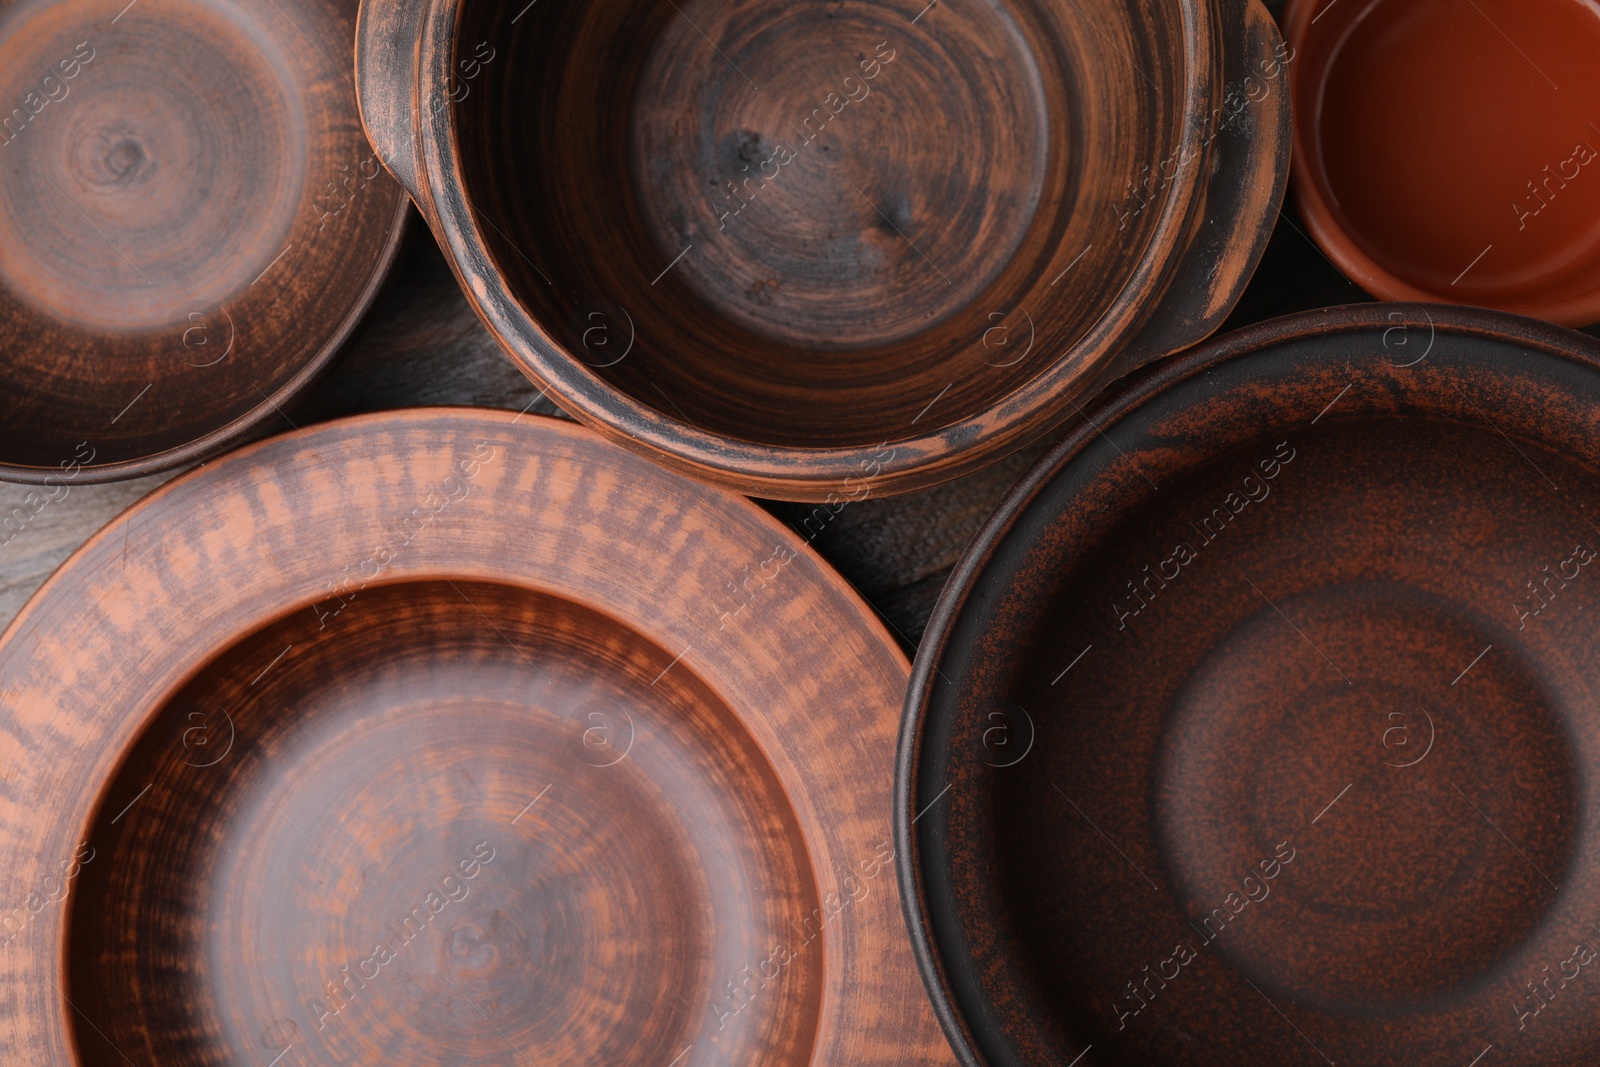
(188, 214)
(809, 232)
(1294, 690)
(1454, 150)
(363, 837)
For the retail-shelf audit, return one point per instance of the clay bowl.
(191, 223)
(441, 736)
(1450, 152)
(817, 250)
(1257, 726)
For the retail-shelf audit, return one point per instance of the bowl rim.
(1339, 244)
(319, 478)
(219, 440)
(1542, 337)
(786, 472)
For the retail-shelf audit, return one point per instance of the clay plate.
(1258, 725)
(191, 222)
(449, 736)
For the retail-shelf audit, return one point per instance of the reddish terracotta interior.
(1451, 151)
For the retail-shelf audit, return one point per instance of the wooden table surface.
(422, 344)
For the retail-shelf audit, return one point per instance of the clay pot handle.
(388, 43)
(1250, 157)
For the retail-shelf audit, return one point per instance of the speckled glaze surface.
(450, 736)
(818, 251)
(191, 224)
(1258, 724)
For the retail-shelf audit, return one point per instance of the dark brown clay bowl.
(451, 737)
(1451, 152)
(1258, 725)
(832, 249)
(191, 223)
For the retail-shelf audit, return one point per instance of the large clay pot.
(834, 249)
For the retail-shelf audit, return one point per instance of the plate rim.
(851, 955)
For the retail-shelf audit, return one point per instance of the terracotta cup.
(190, 224)
(825, 250)
(1254, 689)
(451, 736)
(1450, 152)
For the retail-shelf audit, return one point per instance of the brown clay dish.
(445, 736)
(191, 223)
(1451, 152)
(1257, 727)
(834, 249)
